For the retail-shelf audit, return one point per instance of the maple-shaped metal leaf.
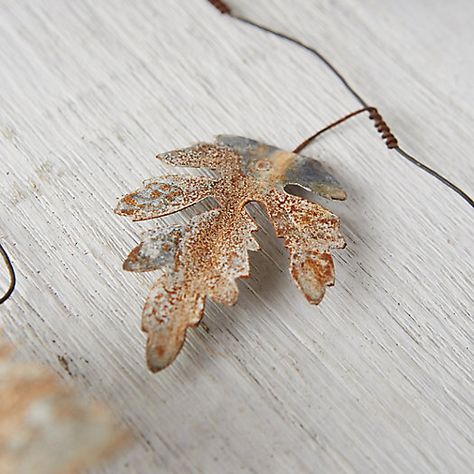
(204, 258)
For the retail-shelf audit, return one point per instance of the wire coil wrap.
(382, 127)
(221, 6)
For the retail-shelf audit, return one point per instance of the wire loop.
(11, 272)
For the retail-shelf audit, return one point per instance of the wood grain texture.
(378, 378)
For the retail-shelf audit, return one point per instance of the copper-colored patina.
(47, 426)
(204, 258)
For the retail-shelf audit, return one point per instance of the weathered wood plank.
(378, 378)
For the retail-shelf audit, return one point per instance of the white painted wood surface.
(379, 377)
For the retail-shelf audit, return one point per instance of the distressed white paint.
(378, 378)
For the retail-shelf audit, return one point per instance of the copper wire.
(11, 273)
(221, 6)
(382, 127)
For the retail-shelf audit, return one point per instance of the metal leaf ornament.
(47, 427)
(205, 257)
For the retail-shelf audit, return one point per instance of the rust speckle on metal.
(205, 257)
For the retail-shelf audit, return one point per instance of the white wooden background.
(379, 377)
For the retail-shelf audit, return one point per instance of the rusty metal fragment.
(46, 427)
(204, 258)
